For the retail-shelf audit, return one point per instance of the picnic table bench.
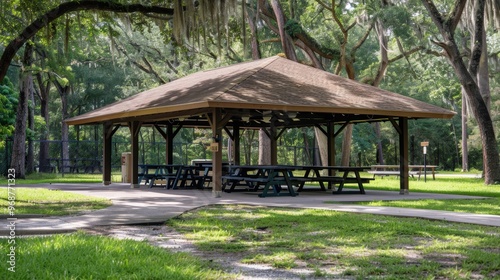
(414, 170)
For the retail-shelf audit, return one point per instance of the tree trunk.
(285, 38)
(30, 157)
(307, 148)
(483, 75)
(491, 159)
(18, 161)
(380, 150)
(253, 33)
(43, 154)
(384, 63)
(248, 136)
(465, 148)
(264, 148)
(346, 145)
(322, 145)
(63, 93)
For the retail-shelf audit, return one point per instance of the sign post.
(424, 145)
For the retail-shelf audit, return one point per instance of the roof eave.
(120, 117)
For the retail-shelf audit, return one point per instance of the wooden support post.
(135, 126)
(216, 124)
(169, 153)
(106, 153)
(403, 156)
(169, 138)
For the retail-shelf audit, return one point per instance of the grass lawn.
(46, 202)
(82, 256)
(463, 186)
(39, 178)
(336, 244)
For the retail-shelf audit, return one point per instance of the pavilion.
(273, 94)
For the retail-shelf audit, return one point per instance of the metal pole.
(425, 164)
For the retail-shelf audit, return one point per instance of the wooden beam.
(396, 126)
(168, 135)
(344, 125)
(267, 132)
(321, 129)
(164, 116)
(229, 133)
(169, 147)
(108, 132)
(160, 130)
(225, 119)
(112, 132)
(174, 133)
(135, 127)
(403, 156)
(216, 119)
(280, 133)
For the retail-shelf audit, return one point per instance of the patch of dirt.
(166, 237)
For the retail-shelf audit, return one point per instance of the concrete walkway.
(144, 205)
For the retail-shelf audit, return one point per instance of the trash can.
(127, 167)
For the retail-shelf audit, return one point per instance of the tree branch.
(64, 8)
(297, 32)
(408, 53)
(436, 16)
(324, 5)
(477, 37)
(362, 39)
(456, 14)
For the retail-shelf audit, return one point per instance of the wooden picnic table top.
(410, 166)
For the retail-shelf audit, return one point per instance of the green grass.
(39, 178)
(462, 186)
(82, 256)
(46, 202)
(477, 206)
(345, 245)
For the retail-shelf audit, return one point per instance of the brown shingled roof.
(273, 83)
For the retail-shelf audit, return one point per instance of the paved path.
(144, 205)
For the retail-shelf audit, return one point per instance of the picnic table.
(414, 170)
(153, 172)
(194, 174)
(313, 174)
(177, 175)
(273, 176)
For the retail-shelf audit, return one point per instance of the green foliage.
(8, 104)
(397, 19)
